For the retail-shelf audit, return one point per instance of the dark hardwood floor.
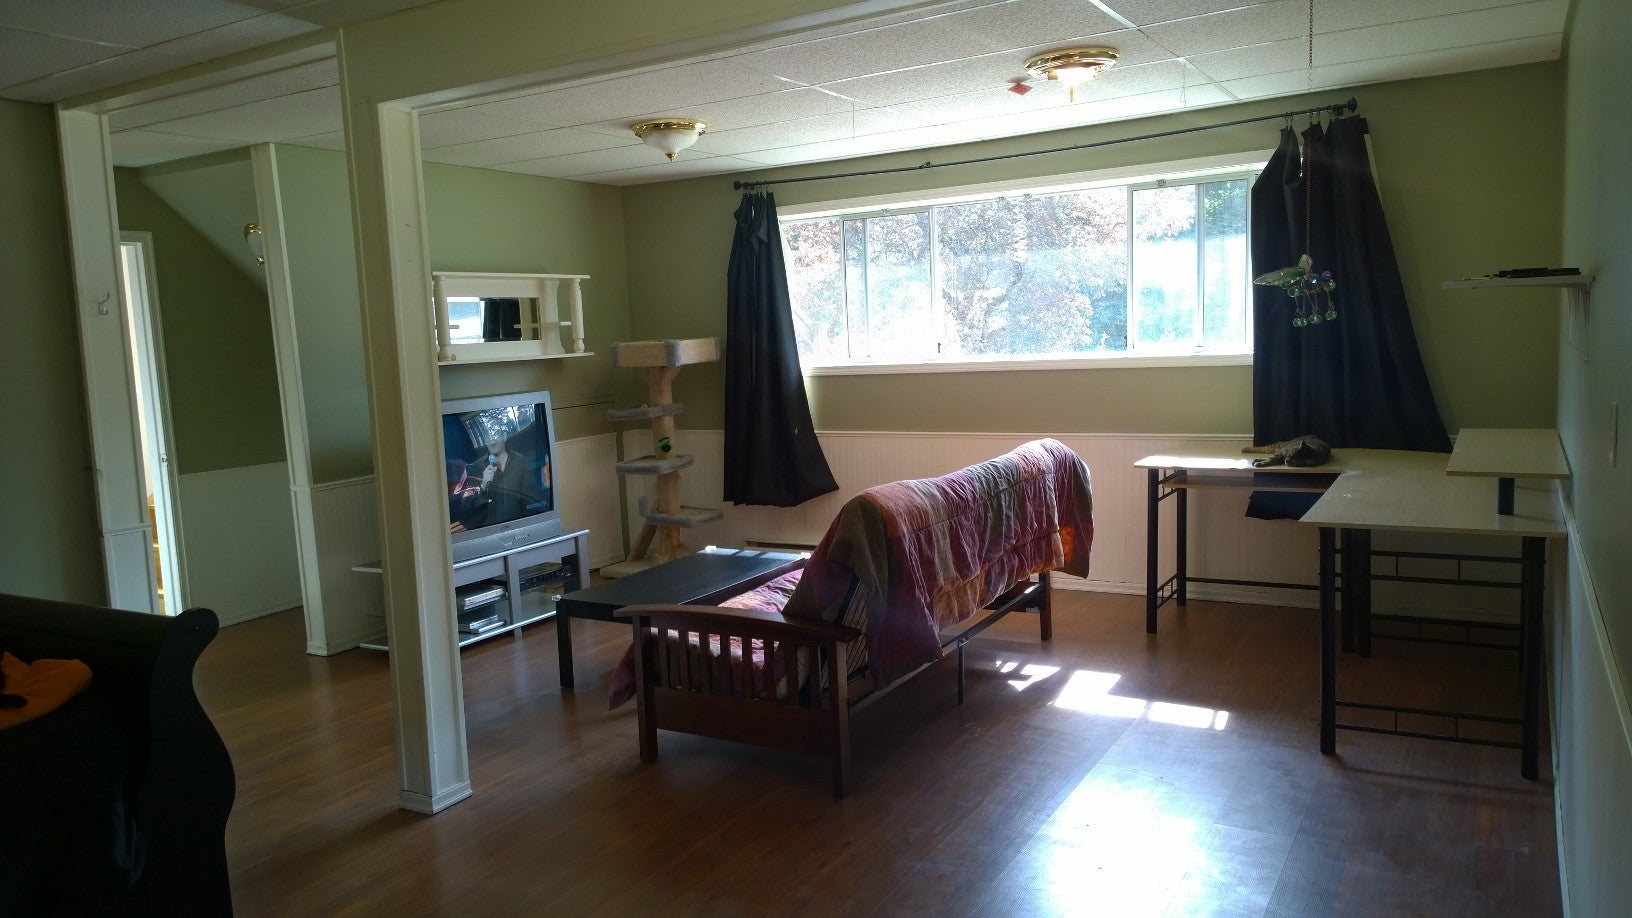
(1107, 773)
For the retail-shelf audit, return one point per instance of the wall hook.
(102, 304)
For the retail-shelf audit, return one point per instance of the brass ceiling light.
(670, 135)
(1071, 66)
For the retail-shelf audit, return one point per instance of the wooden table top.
(1501, 452)
(1420, 497)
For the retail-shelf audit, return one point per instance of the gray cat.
(1298, 452)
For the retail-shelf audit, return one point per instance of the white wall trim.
(1589, 792)
(241, 549)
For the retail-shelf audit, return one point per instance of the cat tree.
(663, 514)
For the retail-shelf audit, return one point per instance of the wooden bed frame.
(671, 693)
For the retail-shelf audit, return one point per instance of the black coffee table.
(706, 577)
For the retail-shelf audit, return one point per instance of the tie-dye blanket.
(917, 556)
(928, 554)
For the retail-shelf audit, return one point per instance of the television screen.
(498, 460)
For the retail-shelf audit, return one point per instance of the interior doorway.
(146, 368)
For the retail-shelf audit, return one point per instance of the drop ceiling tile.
(1343, 16)
(978, 74)
(315, 111)
(315, 75)
(1026, 23)
(633, 155)
(334, 140)
(913, 44)
(1255, 60)
(233, 37)
(144, 148)
(671, 90)
(1437, 34)
(754, 111)
(329, 13)
(1401, 67)
(1239, 28)
(1151, 12)
(521, 148)
(132, 65)
(130, 25)
(456, 126)
(839, 126)
(25, 56)
(681, 168)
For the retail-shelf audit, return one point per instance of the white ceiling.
(902, 82)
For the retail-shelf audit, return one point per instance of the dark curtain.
(1357, 381)
(501, 319)
(772, 456)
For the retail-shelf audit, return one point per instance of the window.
(1157, 267)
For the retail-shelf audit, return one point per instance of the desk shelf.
(1577, 281)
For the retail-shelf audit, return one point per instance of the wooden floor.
(1108, 773)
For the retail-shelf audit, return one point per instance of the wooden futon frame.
(673, 692)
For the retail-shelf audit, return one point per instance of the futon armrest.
(732, 620)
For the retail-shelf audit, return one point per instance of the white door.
(153, 416)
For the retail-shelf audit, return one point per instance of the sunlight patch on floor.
(1089, 692)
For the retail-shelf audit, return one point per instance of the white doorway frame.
(153, 404)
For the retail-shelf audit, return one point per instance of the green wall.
(315, 201)
(481, 220)
(1598, 237)
(49, 545)
(217, 330)
(1464, 192)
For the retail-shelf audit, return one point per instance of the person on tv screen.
(509, 485)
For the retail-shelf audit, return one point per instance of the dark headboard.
(179, 774)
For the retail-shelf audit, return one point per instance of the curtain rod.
(1337, 108)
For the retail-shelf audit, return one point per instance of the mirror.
(485, 317)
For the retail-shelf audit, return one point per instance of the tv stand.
(506, 591)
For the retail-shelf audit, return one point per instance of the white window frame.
(1246, 164)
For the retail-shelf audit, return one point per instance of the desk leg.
(1181, 551)
(1534, 572)
(1153, 491)
(1328, 643)
(563, 644)
(1349, 582)
(1361, 546)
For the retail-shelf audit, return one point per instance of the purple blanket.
(905, 559)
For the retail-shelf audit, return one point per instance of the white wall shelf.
(1577, 281)
(1578, 285)
(545, 335)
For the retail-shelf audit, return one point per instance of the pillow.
(42, 685)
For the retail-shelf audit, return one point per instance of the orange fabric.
(44, 684)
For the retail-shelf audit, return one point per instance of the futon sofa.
(906, 572)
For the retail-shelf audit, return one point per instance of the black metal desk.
(1412, 492)
(706, 577)
(1176, 474)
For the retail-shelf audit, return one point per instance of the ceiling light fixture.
(670, 135)
(1071, 66)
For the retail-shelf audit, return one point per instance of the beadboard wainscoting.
(588, 498)
(342, 606)
(1223, 542)
(1591, 719)
(238, 532)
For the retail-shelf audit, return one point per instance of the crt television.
(500, 454)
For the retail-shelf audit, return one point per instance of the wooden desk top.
(1231, 459)
(1499, 452)
(1418, 496)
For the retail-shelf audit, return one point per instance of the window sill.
(1046, 363)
